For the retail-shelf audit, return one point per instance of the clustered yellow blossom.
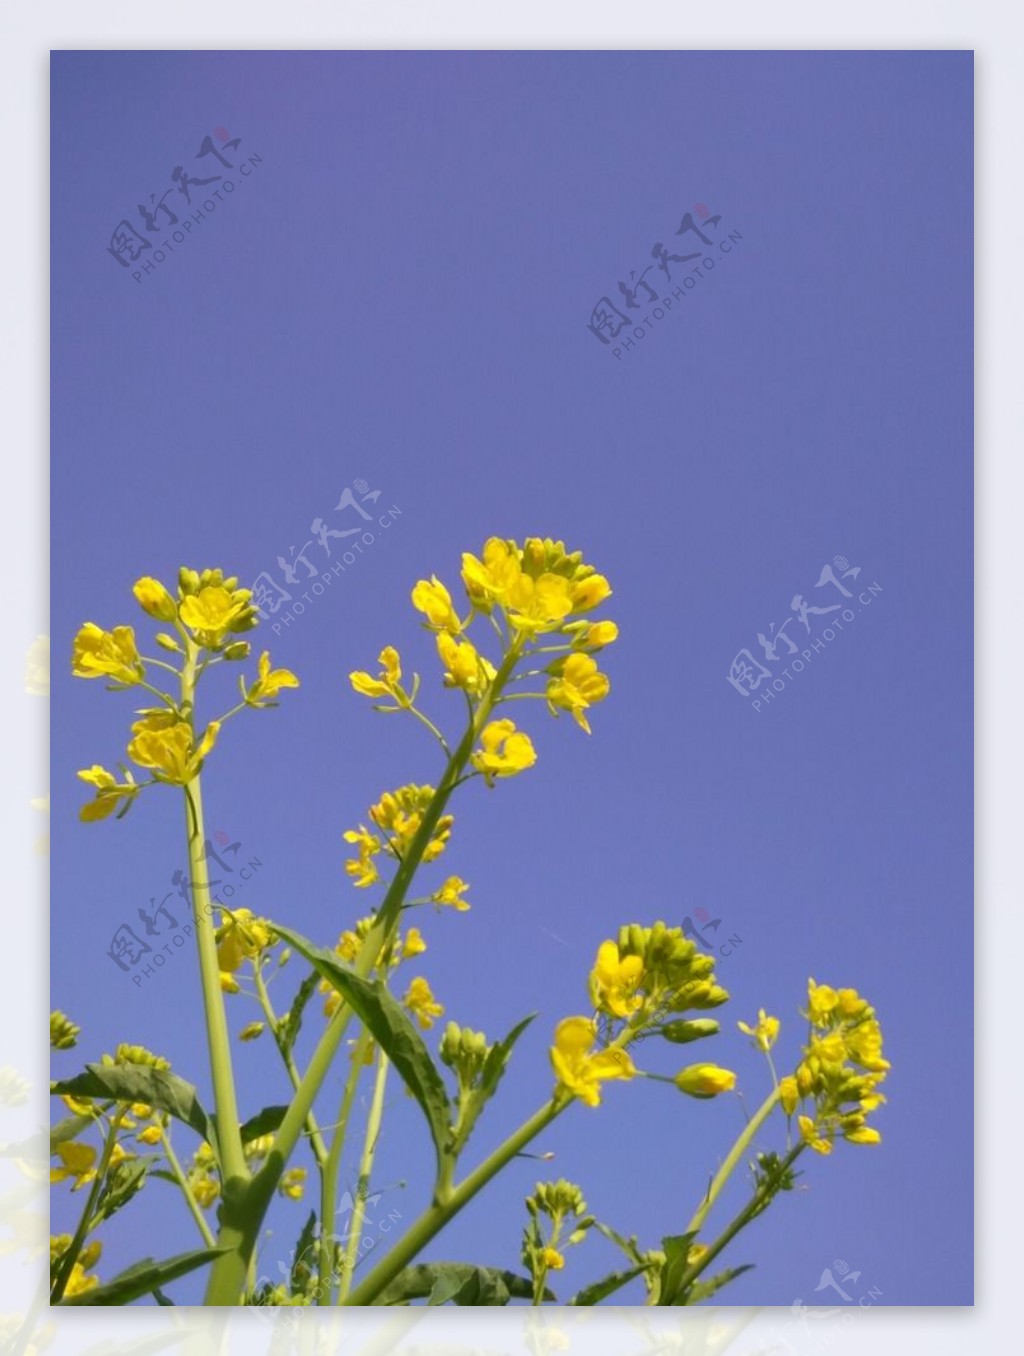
(421, 1002)
(451, 894)
(207, 614)
(558, 1217)
(504, 751)
(401, 947)
(399, 815)
(240, 937)
(202, 1177)
(836, 1085)
(292, 1184)
(79, 1282)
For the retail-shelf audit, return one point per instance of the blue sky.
(399, 293)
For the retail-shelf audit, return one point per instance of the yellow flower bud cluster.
(836, 1085)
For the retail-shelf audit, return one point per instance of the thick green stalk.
(735, 1154)
(373, 1121)
(437, 1214)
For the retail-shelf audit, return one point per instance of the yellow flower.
(387, 684)
(77, 1161)
(400, 814)
(614, 981)
(106, 654)
(863, 1134)
(209, 613)
(821, 1002)
(239, 936)
(464, 667)
(362, 868)
(503, 751)
(765, 1033)
(789, 1094)
(205, 1190)
(251, 1031)
(812, 1136)
(109, 793)
(576, 684)
(413, 945)
(435, 602)
(151, 1135)
(166, 745)
(541, 604)
(451, 894)
(489, 579)
(590, 592)
(228, 983)
(78, 1282)
(269, 683)
(578, 1068)
(422, 1004)
(292, 1183)
(704, 1080)
(154, 599)
(596, 636)
(553, 1259)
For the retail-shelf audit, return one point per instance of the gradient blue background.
(400, 293)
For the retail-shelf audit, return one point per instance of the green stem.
(735, 1154)
(67, 1262)
(329, 1193)
(373, 1122)
(182, 1181)
(437, 1214)
(754, 1206)
(316, 1139)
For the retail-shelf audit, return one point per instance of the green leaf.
(676, 1248)
(391, 1027)
(288, 1031)
(702, 1290)
(144, 1277)
(594, 1294)
(141, 1083)
(305, 1257)
(124, 1180)
(457, 1283)
(497, 1061)
(161, 1298)
(265, 1122)
(629, 1246)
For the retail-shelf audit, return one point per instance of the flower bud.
(188, 581)
(681, 1032)
(789, 1094)
(238, 649)
(167, 642)
(153, 598)
(704, 1080)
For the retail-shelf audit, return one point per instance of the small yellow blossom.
(821, 1002)
(240, 935)
(596, 636)
(151, 1135)
(387, 683)
(110, 793)
(578, 1068)
(228, 983)
(154, 599)
(166, 745)
(293, 1183)
(362, 868)
(764, 1033)
(451, 894)
(77, 1161)
(413, 944)
(209, 613)
(863, 1134)
(422, 1004)
(590, 592)
(251, 1031)
(205, 1190)
(435, 602)
(553, 1259)
(464, 667)
(489, 579)
(789, 1094)
(541, 604)
(614, 981)
(269, 682)
(106, 654)
(575, 685)
(813, 1137)
(704, 1080)
(503, 751)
